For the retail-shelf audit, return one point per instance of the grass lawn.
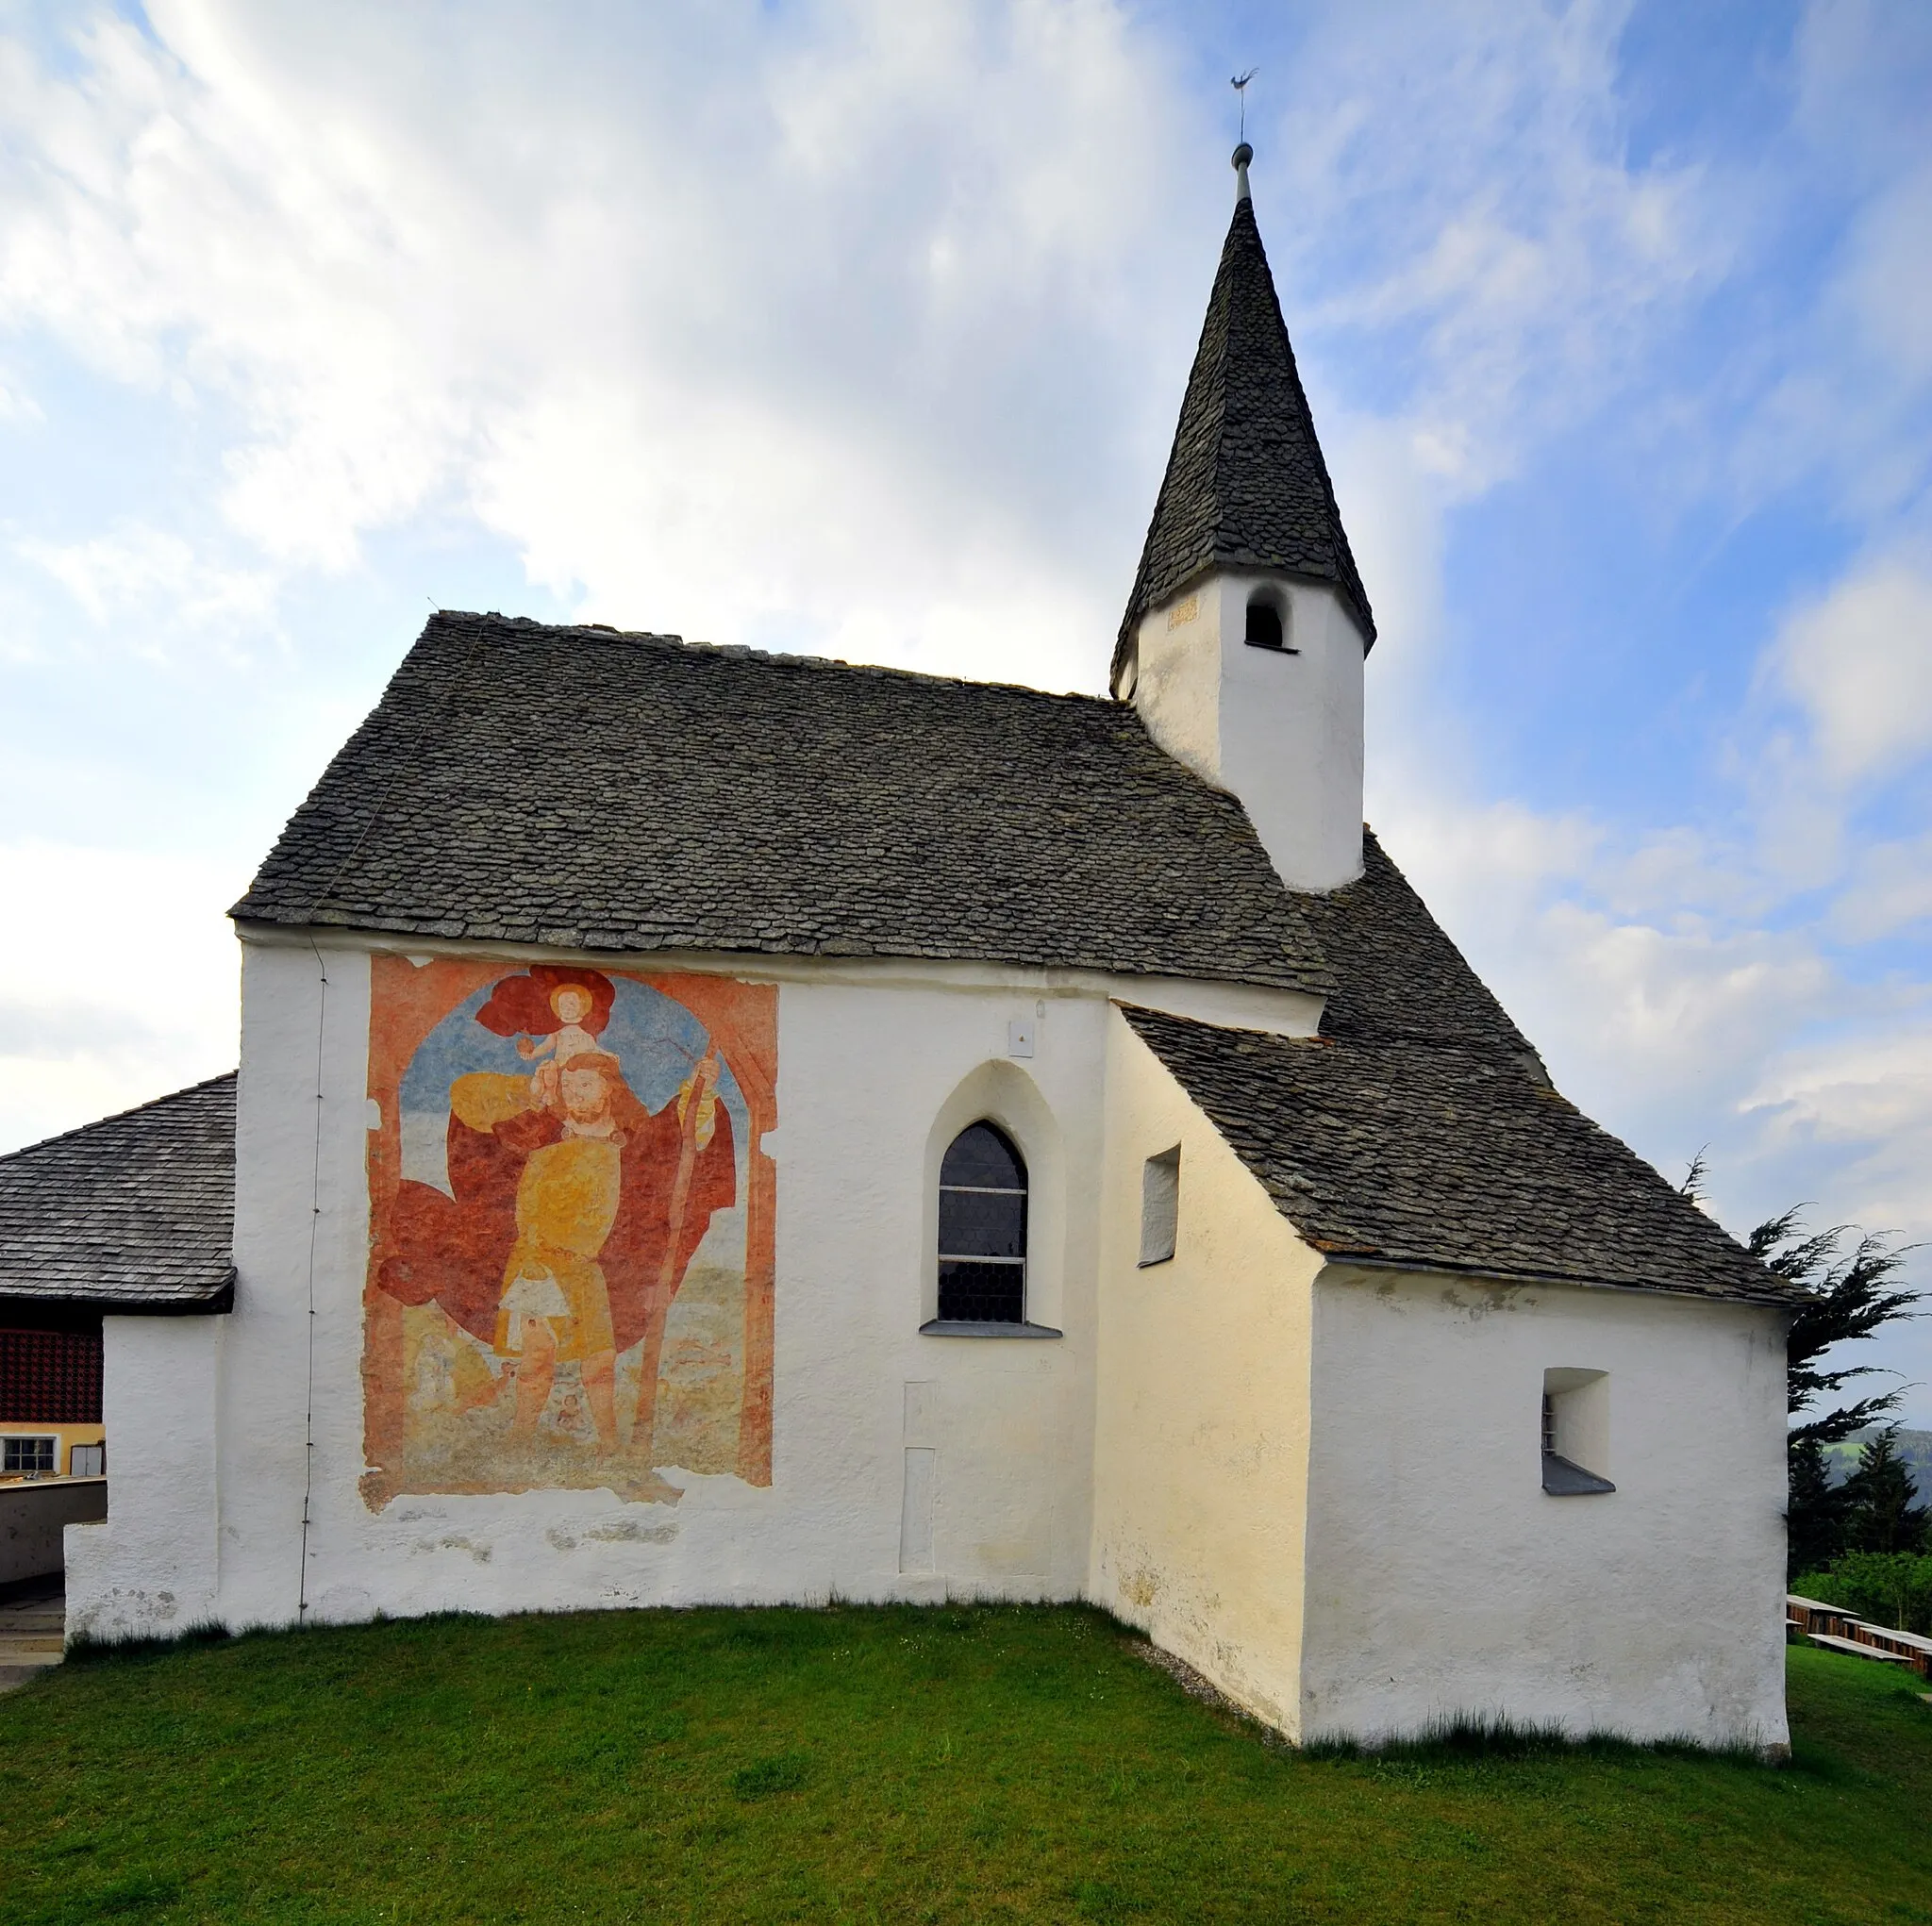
(970, 1764)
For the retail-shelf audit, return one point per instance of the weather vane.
(1239, 83)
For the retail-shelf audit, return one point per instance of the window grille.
(24, 1455)
(982, 1229)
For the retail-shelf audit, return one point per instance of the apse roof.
(1420, 1127)
(132, 1213)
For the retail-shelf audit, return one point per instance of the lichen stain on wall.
(571, 1264)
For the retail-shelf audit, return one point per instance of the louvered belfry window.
(50, 1377)
(982, 1230)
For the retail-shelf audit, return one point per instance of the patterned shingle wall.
(601, 791)
(1245, 486)
(49, 1377)
(133, 1213)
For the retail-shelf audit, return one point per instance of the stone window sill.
(1562, 1479)
(960, 1327)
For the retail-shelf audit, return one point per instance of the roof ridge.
(226, 1077)
(606, 633)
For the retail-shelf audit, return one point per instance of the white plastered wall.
(904, 1465)
(1283, 731)
(1201, 1442)
(151, 1566)
(1443, 1581)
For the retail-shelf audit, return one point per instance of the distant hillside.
(1914, 1447)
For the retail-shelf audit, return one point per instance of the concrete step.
(33, 1628)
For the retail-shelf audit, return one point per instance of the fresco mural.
(570, 1279)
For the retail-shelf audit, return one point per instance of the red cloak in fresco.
(453, 1248)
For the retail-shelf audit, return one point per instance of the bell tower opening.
(1267, 622)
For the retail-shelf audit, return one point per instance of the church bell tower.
(1245, 639)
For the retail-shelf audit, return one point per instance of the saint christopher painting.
(570, 1249)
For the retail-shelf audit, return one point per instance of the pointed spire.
(1245, 487)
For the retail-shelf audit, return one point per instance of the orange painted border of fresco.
(407, 1001)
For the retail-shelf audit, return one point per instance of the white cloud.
(1872, 1093)
(654, 376)
(90, 1023)
(1890, 888)
(1517, 260)
(1859, 660)
(154, 584)
(840, 322)
(1841, 387)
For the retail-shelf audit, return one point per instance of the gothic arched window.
(982, 1229)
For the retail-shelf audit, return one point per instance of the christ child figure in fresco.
(571, 1004)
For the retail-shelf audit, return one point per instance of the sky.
(859, 329)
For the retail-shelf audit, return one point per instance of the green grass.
(969, 1764)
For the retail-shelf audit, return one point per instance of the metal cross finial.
(1239, 83)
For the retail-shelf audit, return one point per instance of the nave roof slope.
(587, 789)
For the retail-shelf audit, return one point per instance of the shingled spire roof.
(1245, 485)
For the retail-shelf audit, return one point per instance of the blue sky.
(861, 328)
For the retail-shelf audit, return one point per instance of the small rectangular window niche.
(1161, 1207)
(1575, 1432)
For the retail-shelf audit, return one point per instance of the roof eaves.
(1365, 1258)
(216, 1300)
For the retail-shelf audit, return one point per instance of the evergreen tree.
(1847, 1298)
(1815, 1513)
(1880, 1514)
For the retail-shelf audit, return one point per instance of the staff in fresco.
(576, 1210)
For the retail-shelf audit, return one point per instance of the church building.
(733, 1127)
